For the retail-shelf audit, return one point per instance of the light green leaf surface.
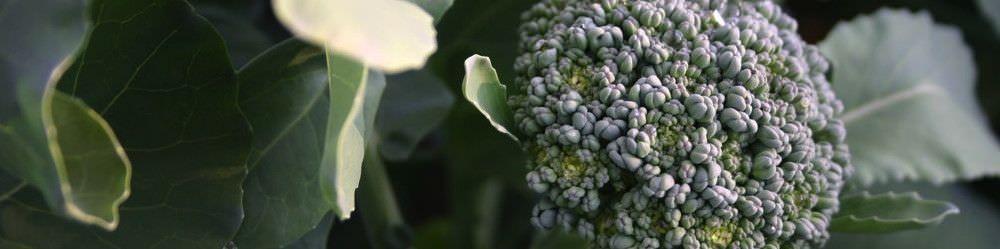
(889, 212)
(907, 88)
(483, 89)
(414, 103)
(55, 143)
(160, 76)
(389, 35)
(355, 93)
(436, 8)
(93, 169)
(974, 228)
(75, 160)
(284, 95)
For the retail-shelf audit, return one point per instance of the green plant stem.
(378, 208)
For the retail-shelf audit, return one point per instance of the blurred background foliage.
(455, 192)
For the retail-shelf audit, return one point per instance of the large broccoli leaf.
(283, 94)
(235, 22)
(390, 35)
(907, 87)
(160, 76)
(312, 114)
(52, 141)
(889, 212)
(974, 228)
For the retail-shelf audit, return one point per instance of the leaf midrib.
(284, 131)
(866, 109)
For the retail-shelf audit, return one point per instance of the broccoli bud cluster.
(678, 124)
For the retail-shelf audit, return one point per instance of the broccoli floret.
(678, 124)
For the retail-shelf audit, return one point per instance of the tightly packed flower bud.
(678, 124)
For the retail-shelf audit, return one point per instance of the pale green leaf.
(77, 162)
(355, 92)
(93, 168)
(414, 104)
(483, 89)
(907, 88)
(974, 228)
(889, 212)
(389, 35)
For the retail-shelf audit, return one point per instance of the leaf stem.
(377, 205)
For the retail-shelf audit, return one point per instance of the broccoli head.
(678, 124)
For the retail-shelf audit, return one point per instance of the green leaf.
(283, 94)
(75, 161)
(559, 240)
(889, 212)
(974, 228)
(355, 93)
(56, 144)
(9, 185)
(436, 8)
(478, 27)
(383, 221)
(163, 82)
(472, 146)
(909, 107)
(243, 40)
(991, 9)
(483, 89)
(389, 35)
(315, 238)
(305, 142)
(414, 104)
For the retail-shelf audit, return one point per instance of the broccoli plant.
(694, 124)
(648, 124)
